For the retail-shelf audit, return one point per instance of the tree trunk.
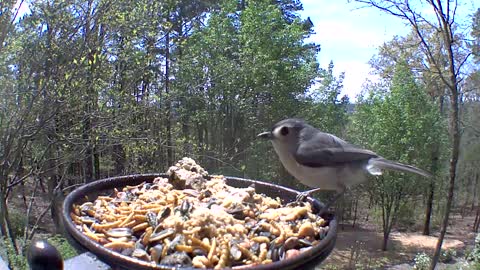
(355, 211)
(56, 211)
(453, 168)
(428, 210)
(170, 157)
(86, 136)
(468, 187)
(187, 147)
(433, 169)
(387, 227)
(3, 212)
(475, 186)
(120, 158)
(386, 235)
(386, 211)
(96, 161)
(5, 228)
(477, 220)
(87, 109)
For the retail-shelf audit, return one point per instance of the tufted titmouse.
(324, 161)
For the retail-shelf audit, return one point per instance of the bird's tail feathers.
(376, 165)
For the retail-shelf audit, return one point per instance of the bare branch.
(452, 21)
(29, 209)
(387, 9)
(461, 64)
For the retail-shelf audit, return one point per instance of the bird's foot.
(301, 197)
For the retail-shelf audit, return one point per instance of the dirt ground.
(359, 247)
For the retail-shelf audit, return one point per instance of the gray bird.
(324, 161)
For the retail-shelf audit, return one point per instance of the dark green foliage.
(8, 253)
(401, 123)
(327, 109)
(474, 255)
(18, 223)
(113, 108)
(248, 76)
(62, 246)
(91, 89)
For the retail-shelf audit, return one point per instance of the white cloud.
(356, 73)
(349, 37)
(345, 34)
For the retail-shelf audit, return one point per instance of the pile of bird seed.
(192, 219)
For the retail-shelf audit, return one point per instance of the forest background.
(99, 88)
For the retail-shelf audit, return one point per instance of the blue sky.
(349, 36)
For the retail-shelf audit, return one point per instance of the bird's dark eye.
(284, 131)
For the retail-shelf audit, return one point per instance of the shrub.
(447, 255)
(9, 255)
(421, 262)
(20, 261)
(475, 253)
(18, 223)
(65, 249)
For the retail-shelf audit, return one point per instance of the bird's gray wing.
(317, 149)
(331, 156)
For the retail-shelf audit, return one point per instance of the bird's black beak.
(265, 135)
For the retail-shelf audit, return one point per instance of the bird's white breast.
(328, 178)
